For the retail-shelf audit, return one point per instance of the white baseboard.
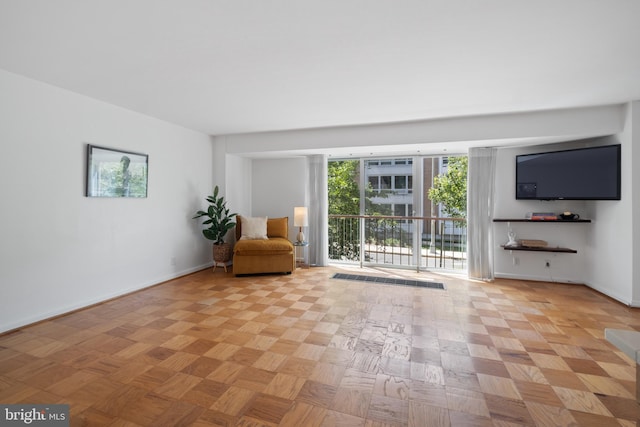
(613, 295)
(20, 323)
(602, 290)
(536, 278)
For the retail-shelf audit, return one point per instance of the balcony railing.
(402, 241)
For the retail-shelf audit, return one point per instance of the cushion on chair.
(274, 246)
(254, 228)
(278, 227)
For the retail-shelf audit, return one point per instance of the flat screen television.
(580, 174)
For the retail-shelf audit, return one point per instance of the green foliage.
(117, 180)
(220, 221)
(450, 188)
(344, 199)
(344, 192)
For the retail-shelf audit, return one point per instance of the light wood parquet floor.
(210, 349)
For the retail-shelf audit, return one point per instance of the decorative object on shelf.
(220, 221)
(512, 238)
(569, 216)
(300, 219)
(540, 247)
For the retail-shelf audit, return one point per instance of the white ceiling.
(224, 67)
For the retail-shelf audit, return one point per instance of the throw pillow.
(278, 227)
(254, 228)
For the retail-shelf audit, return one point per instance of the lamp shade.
(300, 217)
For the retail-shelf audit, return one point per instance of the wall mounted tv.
(580, 174)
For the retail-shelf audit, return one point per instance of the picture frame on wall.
(116, 173)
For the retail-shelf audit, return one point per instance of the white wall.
(557, 125)
(596, 263)
(531, 265)
(633, 128)
(238, 183)
(278, 185)
(266, 187)
(567, 124)
(60, 250)
(612, 252)
(605, 246)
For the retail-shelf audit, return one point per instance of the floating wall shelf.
(546, 248)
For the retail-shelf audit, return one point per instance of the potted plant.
(220, 221)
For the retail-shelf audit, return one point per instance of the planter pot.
(222, 253)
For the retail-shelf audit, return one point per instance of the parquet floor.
(303, 350)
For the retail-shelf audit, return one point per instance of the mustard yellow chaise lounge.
(257, 254)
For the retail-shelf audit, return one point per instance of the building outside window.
(387, 188)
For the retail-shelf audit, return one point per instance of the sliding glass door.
(380, 213)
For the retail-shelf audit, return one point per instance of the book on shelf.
(541, 216)
(532, 243)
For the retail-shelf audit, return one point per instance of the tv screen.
(580, 174)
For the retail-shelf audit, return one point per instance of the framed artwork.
(116, 173)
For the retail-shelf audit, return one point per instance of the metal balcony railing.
(402, 241)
